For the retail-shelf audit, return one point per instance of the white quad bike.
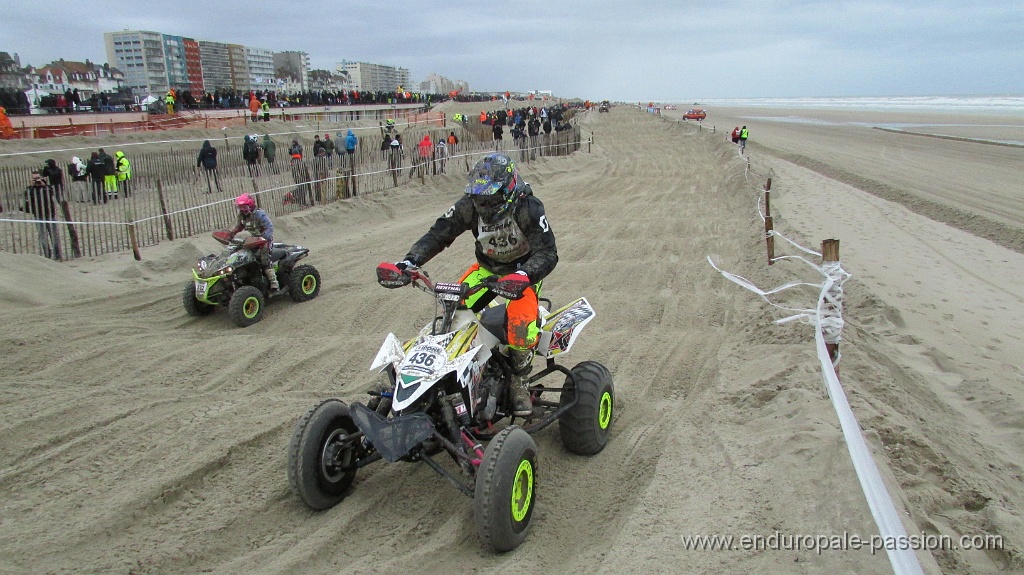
(447, 390)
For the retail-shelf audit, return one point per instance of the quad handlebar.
(391, 276)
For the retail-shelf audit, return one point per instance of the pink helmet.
(246, 204)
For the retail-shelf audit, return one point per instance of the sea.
(1003, 105)
(959, 108)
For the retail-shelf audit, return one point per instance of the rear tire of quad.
(246, 306)
(506, 490)
(194, 307)
(318, 483)
(303, 283)
(585, 427)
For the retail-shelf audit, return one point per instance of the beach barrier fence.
(169, 197)
(826, 317)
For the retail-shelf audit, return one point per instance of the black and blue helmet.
(494, 185)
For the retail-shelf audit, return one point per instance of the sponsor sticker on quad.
(200, 289)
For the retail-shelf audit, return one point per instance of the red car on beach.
(695, 114)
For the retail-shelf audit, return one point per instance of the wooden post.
(72, 232)
(163, 209)
(256, 194)
(830, 253)
(134, 241)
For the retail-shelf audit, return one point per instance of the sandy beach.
(136, 439)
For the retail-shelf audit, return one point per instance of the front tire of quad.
(506, 490)
(584, 428)
(303, 283)
(194, 307)
(246, 306)
(321, 461)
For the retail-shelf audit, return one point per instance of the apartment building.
(367, 77)
(141, 56)
(153, 62)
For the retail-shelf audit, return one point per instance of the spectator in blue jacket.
(351, 141)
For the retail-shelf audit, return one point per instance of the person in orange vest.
(6, 129)
(483, 117)
(426, 149)
(254, 107)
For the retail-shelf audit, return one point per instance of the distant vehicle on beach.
(670, 106)
(695, 114)
(605, 106)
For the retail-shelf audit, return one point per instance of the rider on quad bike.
(513, 240)
(257, 223)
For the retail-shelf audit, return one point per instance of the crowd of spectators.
(17, 102)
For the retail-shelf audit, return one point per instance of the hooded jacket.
(207, 156)
(269, 148)
(77, 170)
(124, 167)
(53, 174)
(351, 141)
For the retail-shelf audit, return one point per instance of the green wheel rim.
(308, 284)
(522, 490)
(604, 416)
(251, 307)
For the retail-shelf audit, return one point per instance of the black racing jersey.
(521, 240)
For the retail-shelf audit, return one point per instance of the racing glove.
(406, 264)
(512, 286)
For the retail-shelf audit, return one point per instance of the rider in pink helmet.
(257, 223)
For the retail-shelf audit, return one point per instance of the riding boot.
(272, 276)
(522, 365)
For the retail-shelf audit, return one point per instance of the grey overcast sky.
(628, 50)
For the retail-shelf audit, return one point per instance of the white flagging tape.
(31, 221)
(827, 319)
(901, 557)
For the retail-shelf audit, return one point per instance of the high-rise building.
(194, 66)
(436, 84)
(239, 67)
(176, 62)
(261, 68)
(367, 77)
(143, 59)
(153, 62)
(216, 66)
(293, 65)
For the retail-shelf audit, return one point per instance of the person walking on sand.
(270, 152)
(351, 141)
(79, 179)
(736, 135)
(124, 173)
(744, 133)
(42, 205)
(109, 174)
(254, 108)
(96, 171)
(208, 160)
